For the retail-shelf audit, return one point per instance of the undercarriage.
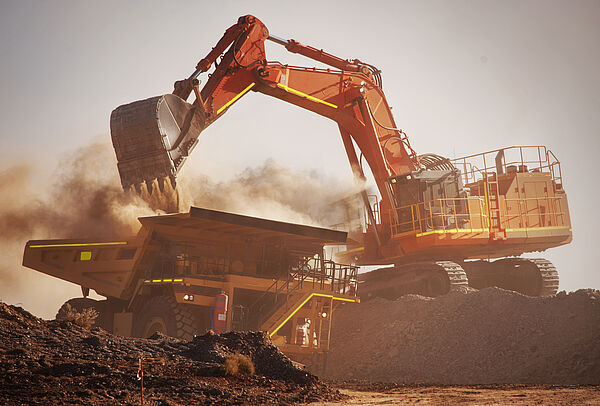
(529, 276)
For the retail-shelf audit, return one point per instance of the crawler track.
(549, 276)
(423, 278)
(529, 276)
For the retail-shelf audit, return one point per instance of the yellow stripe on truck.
(162, 280)
(85, 244)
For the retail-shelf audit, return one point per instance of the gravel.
(491, 336)
(57, 362)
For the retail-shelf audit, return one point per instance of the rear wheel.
(162, 314)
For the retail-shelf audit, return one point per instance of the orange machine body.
(499, 205)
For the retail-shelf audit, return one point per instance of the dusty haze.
(85, 200)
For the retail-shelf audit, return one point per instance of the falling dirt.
(491, 336)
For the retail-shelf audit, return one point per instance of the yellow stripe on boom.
(308, 96)
(78, 244)
(230, 102)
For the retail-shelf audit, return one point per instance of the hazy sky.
(462, 76)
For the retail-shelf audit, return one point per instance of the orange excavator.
(441, 223)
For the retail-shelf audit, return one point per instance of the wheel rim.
(155, 325)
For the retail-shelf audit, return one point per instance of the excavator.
(439, 224)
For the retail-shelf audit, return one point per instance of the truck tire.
(80, 303)
(162, 314)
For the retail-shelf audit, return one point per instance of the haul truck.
(184, 274)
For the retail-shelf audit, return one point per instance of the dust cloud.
(84, 199)
(271, 191)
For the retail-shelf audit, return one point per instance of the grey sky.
(462, 76)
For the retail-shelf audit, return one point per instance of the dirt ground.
(389, 394)
(463, 348)
(490, 336)
(58, 362)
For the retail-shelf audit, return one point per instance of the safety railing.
(538, 158)
(312, 273)
(449, 215)
(374, 203)
(325, 275)
(531, 213)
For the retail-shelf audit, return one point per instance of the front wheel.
(162, 314)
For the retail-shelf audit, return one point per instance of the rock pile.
(472, 337)
(58, 362)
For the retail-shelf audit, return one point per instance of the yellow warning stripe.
(352, 250)
(230, 102)
(162, 280)
(467, 230)
(78, 244)
(538, 228)
(308, 96)
(482, 230)
(357, 300)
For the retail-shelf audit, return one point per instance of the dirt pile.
(490, 336)
(58, 362)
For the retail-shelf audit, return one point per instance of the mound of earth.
(58, 362)
(489, 336)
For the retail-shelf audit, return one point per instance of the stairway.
(285, 310)
(494, 210)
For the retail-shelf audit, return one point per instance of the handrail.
(322, 276)
(465, 214)
(530, 158)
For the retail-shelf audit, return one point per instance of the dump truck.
(187, 273)
(437, 224)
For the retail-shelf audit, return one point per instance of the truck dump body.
(272, 274)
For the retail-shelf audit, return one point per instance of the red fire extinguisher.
(219, 313)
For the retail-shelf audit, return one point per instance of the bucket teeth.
(152, 138)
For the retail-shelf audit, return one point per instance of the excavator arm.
(152, 138)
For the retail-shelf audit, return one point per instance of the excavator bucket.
(152, 138)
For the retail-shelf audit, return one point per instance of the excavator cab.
(436, 192)
(152, 138)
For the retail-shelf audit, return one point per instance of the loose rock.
(490, 336)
